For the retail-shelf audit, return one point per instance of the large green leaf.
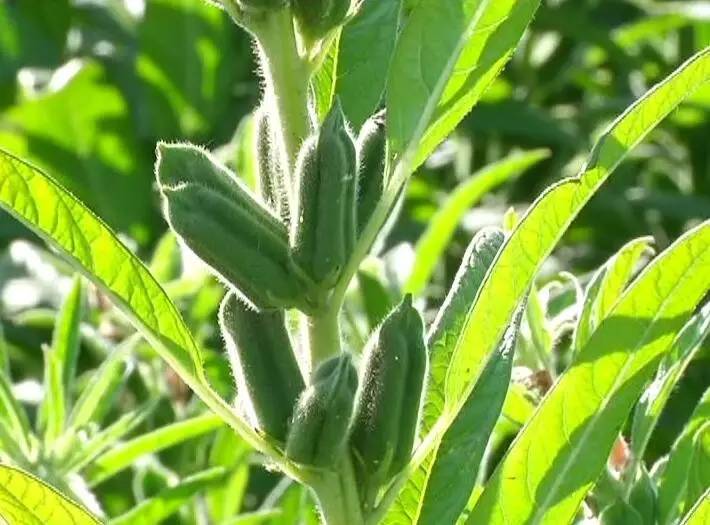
(436, 237)
(25, 500)
(93, 249)
(672, 485)
(539, 231)
(59, 218)
(447, 55)
(699, 473)
(561, 451)
(366, 46)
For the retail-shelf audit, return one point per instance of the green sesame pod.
(323, 229)
(388, 406)
(270, 175)
(219, 220)
(268, 378)
(321, 420)
(372, 144)
(316, 18)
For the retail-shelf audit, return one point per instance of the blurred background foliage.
(87, 88)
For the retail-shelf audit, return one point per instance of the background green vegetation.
(88, 87)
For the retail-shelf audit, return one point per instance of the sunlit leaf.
(25, 500)
(561, 451)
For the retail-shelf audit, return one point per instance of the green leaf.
(366, 46)
(107, 437)
(699, 473)
(59, 218)
(432, 244)
(60, 364)
(376, 299)
(188, 62)
(67, 133)
(231, 452)
(674, 478)
(13, 419)
(606, 286)
(517, 408)
(25, 500)
(442, 339)
(458, 459)
(561, 451)
(323, 82)
(700, 513)
(125, 454)
(170, 500)
(98, 395)
(539, 231)
(447, 55)
(649, 408)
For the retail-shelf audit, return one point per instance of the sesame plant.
(356, 95)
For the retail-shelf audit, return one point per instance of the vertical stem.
(323, 336)
(287, 77)
(337, 498)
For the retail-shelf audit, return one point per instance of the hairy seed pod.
(316, 18)
(272, 185)
(264, 365)
(219, 220)
(372, 145)
(389, 399)
(323, 228)
(321, 420)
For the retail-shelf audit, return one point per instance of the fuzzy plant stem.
(337, 497)
(323, 336)
(287, 75)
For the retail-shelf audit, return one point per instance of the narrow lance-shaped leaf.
(125, 454)
(699, 474)
(93, 249)
(446, 57)
(13, 418)
(442, 339)
(108, 437)
(436, 237)
(59, 218)
(366, 46)
(560, 453)
(26, 500)
(674, 478)
(648, 410)
(97, 396)
(170, 500)
(60, 364)
(606, 286)
(539, 231)
(459, 455)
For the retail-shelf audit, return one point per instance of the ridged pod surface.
(272, 185)
(324, 226)
(321, 420)
(372, 145)
(389, 399)
(264, 365)
(218, 218)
